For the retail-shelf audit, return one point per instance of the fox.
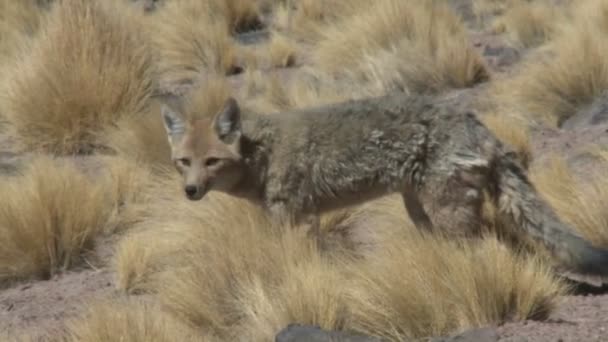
(300, 163)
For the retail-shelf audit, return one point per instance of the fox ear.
(228, 121)
(171, 114)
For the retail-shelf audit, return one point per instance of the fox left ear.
(228, 121)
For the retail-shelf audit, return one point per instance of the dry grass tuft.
(126, 183)
(140, 138)
(305, 88)
(88, 67)
(282, 51)
(512, 131)
(52, 212)
(307, 19)
(192, 38)
(48, 217)
(530, 24)
(432, 287)
(555, 87)
(130, 321)
(580, 203)
(19, 20)
(206, 98)
(239, 291)
(421, 47)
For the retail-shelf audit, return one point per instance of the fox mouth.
(196, 197)
(194, 193)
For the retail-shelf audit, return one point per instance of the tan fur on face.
(199, 145)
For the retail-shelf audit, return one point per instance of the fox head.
(205, 151)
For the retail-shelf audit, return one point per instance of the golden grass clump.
(19, 20)
(88, 67)
(554, 87)
(306, 19)
(421, 47)
(512, 131)
(530, 24)
(239, 291)
(432, 287)
(49, 215)
(126, 182)
(206, 98)
(580, 203)
(52, 211)
(282, 51)
(192, 37)
(140, 138)
(130, 320)
(306, 87)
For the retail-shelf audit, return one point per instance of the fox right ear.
(171, 114)
(174, 123)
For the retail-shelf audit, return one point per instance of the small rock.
(591, 115)
(309, 333)
(486, 334)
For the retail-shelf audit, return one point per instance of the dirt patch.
(40, 307)
(579, 318)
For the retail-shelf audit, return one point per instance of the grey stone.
(309, 333)
(594, 114)
(486, 334)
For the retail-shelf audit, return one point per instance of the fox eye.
(211, 161)
(184, 161)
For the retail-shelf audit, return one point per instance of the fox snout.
(194, 192)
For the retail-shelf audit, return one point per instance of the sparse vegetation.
(81, 76)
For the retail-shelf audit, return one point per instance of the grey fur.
(301, 163)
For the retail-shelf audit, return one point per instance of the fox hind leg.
(453, 194)
(416, 211)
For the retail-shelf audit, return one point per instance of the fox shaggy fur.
(301, 163)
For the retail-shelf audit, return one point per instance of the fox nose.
(191, 190)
